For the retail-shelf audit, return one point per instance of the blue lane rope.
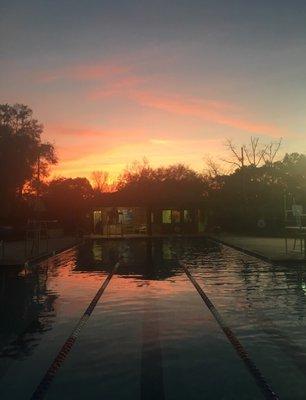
(46, 381)
(241, 351)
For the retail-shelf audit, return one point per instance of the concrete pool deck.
(15, 255)
(269, 248)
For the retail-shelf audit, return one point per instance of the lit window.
(166, 217)
(187, 216)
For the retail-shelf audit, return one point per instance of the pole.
(242, 157)
(38, 174)
(243, 191)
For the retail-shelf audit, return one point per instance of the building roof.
(124, 199)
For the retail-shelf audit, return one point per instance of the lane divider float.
(241, 351)
(47, 379)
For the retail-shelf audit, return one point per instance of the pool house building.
(115, 216)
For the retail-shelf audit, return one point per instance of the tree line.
(248, 197)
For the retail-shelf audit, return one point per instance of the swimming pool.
(151, 336)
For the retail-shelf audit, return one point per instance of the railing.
(36, 242)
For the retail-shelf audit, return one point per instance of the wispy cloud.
(211, 111)
(68, 131)
(86, 72)
(133, 87)
(121, 86)
(123, 82)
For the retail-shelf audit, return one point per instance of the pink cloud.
(120, 86)
(83, 72)
(122, 83)
(67, 131)
(210, 111)
(217, 112)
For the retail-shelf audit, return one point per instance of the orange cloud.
(66, 130)
(82, 150)
(80, 159)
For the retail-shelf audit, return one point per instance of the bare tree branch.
(271, 151)
(254, 153)
(100, 181)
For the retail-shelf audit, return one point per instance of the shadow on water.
(26, 312)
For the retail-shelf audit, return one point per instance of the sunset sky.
(114, 81)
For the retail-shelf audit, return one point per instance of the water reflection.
(154, 259)
(264, 304)
(27, 304)
(26, 311)
(24, 293)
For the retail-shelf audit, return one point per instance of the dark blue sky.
(29, 26)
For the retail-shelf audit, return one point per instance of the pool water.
(150, 335)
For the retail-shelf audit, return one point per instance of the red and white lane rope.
(47, 379)
(241, 351)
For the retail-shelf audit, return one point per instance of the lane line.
(241, 351)
(47, 379)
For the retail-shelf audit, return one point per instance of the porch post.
(149, 223)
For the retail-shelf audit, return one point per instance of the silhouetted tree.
(101, 182)
(262, 195)
(24, 158)
(68, 200)
(173, 184)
